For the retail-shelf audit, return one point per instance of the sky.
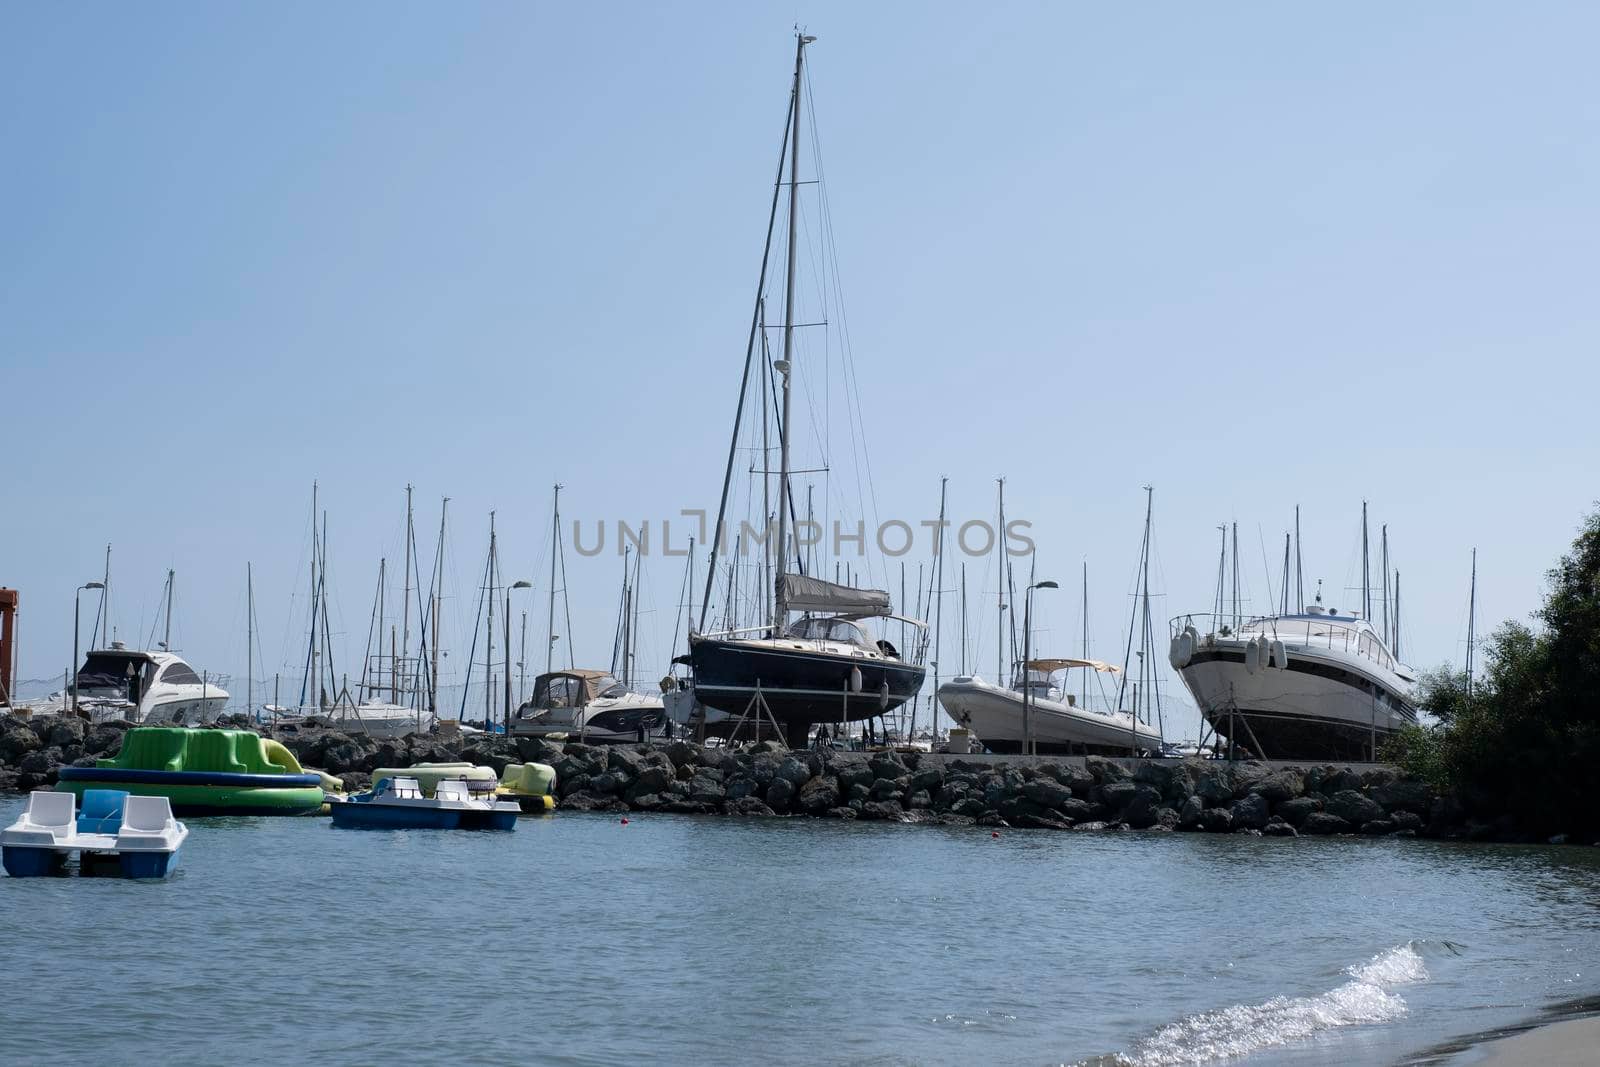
(1254, 256)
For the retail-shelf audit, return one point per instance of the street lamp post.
(1027, 680)
(513, 585)
(75, 601)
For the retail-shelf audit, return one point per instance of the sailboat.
(823, 666)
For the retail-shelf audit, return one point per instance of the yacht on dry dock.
(591, 705)
(1058, 723)
(1319, 685)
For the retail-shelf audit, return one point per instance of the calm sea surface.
(720, 940)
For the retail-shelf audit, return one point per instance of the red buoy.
(624, 822)
(992, 833)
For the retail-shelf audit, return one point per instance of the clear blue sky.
(1255, 255)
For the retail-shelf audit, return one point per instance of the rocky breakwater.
(1092, 794)
(33, 750)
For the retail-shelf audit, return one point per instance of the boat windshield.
(123, 676)
(825, 628)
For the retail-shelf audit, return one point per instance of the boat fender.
(855, 679)
(1280, 655)
(883, 695)
(1252, 656)
(1183, 647)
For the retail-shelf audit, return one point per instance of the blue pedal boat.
(115, 833)
(399, 804)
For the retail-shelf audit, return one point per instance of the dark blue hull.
(361, 815)
(801, 686)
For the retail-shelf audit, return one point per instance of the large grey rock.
(765, 768)
(1075, 809)
(682, 753)
(645, 801)
(608, 784)
(929, 780)
(749, 806)
(1250, 812)
(1216, 820)
(1189, 814)
(17, 742)
(1278, 828)
(578, 783)
(886, 765)
(40, 761)
(1279, 787)
(624, 761)
(1215, 786)
(1322, 822)
(742, 787)
(818, 795)
(537, 750)
(704, 789)
(1046, 821)
(883, 810)
(779, 794)
(919, 800)
(652, 780)
(888, 789)
(104, 740)
(794, 771)
(1048, 792)
(1353, 807)
(971, 807)
(66, 731)
(1404, 794)
(1117, 795)
(1103, 770)
(1296, 811)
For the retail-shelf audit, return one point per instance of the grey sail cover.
(803, 593)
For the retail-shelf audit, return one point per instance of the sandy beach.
(1572, 1043)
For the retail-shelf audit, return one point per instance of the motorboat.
(114, 833)
(588, 705)
(1320, 685)
(139, 687)
(399, 803)
(380, 719)
(1057, 722)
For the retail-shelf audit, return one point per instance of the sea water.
(583, 939)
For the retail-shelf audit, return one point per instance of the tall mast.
(963, 618)
(1385, 555)
(105, 605)
(310, 676)
(1146, 667)
(785, 366)
(488, 648)
(249, 640)
(550, 622)
(438, 606)
(938, 605)
(166, 642)
(1222, 578)
(1084, 698)
(718, 532)
(1285, 608)
(1235, 569)
(405, 604)
(1299, 574)
(1472, 619)
(1366, 569)
(1000, 590)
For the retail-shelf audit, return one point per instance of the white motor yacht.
(141, 687)
(1321, 685)
(1059, 725)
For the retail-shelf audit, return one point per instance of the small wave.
(1246, 1028)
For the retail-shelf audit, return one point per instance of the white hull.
(386, 721)
(994, 715)
(1315, 686)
